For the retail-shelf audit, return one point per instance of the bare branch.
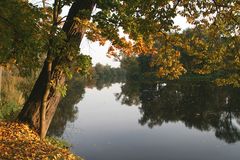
(61, 20)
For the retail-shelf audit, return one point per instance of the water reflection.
(198, 105)
(137, 120)
(130, 94)
(67, 110)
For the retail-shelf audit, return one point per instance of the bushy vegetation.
(9, 110)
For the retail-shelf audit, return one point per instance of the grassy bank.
(19, 142)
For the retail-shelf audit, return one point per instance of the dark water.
(158, 121)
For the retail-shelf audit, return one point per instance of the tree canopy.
(22, 39)
(151, 30)
(148, 27)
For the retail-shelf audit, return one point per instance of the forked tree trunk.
(30, 113)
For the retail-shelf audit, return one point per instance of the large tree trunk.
(30, 113)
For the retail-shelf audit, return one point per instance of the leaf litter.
(19, 142)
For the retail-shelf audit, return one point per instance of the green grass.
(9, 110)
(58, 142)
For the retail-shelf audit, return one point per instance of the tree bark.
(43, 98)
(0, 83)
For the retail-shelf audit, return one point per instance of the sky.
(97, 52)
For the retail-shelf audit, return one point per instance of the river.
(157, 121)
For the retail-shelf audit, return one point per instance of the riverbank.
(19, 142)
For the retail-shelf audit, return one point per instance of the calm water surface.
(157, 121)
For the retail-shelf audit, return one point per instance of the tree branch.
(61, 20)
(176, 4)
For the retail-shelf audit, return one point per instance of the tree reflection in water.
(67, 110)
(199, 105)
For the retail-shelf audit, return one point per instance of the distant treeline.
(106, 72)
(141, 68)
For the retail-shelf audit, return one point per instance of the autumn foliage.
(19, 142)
